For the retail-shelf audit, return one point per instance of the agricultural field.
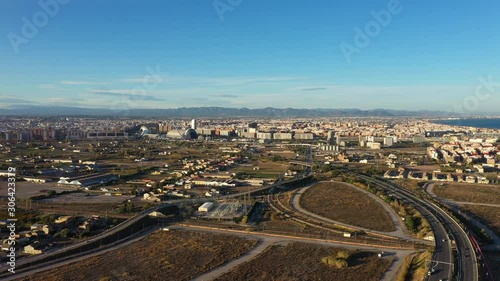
(174, 255)
(343, 203)
(300, 261)
(469, 192)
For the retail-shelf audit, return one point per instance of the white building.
(264, 135)
(282, 136)
(388, 141)
(304, 136)
(373, 145)
(207, 206)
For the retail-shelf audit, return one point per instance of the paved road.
(126, 224)
(397, 222)
(397, 255)
(79, 258)
(265, 241)
(429, 189)
(441, 224)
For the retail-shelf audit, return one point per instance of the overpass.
(128, 228)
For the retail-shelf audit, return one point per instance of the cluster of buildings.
(386, 130)
(473, 150)
(49, 129)
(40, 237)
(192, 173)
(87, 181)
(458, 176)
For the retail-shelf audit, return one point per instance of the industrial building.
(86, 181)
(206, 207)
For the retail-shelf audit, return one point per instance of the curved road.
(39, 259)
(429, 189)
(267, 240)
(396, 220)
(442, 225)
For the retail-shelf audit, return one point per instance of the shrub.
(409, 223)
(340, 263)
(343, 255)
(333, 261)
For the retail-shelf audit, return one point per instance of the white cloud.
(66, 82)
(214, 81)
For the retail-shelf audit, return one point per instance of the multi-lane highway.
(454, 259)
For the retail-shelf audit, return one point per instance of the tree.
(410, 223)
(126, 207)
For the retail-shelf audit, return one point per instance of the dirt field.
(25, 190)
(174, 255)
(300, 261)
(267, 169)
(345, 204)
(82, 197)
(488, 215)
(469, 192)
(78, 209)
(411, 185)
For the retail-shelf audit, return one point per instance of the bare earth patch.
(300, 261)
(343, 203)
(469, 193)
(174, 255)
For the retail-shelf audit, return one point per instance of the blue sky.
(256, 53)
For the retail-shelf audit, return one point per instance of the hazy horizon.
(400, 55)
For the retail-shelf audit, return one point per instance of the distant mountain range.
(196, 112)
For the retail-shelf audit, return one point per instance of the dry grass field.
(298, 261)
(267, 169)
(488, 215)
(343, 203)
(469, 192)
(174, 255)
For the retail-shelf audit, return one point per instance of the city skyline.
(423, 56)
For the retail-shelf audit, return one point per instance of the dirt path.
(397, 255)
(219, 271)
(399, 232)
(429, 189)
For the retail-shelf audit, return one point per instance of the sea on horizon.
(487, 123)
